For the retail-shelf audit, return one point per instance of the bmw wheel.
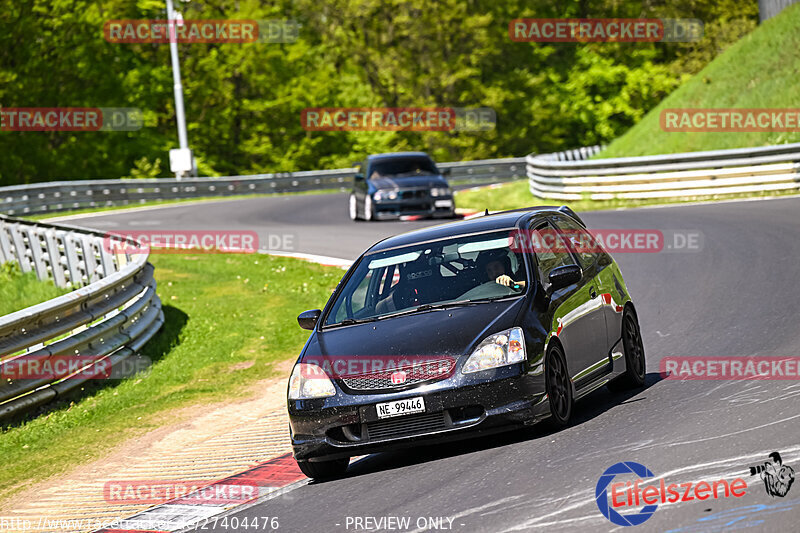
(353, 207)
(559, 387)
(368, 208)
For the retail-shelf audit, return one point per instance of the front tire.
(368, 215)
(634, 355)
(559, 387)
(324, 469)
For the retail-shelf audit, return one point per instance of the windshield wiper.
(351, 321)
(444, 305)
(429, 307)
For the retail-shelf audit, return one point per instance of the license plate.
(400, 407)
(443, 203)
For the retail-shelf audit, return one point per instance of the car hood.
(409, 182)
(454, 332)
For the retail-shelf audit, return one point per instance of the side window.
(551, 252)
(581, 241)
(361, 294)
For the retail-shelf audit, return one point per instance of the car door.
(592, 255)
(576, 310)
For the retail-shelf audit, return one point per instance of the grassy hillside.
(759, 71)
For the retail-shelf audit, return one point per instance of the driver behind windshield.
(497, 267)
(402, 167)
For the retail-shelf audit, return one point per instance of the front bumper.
(428, 207)
(347, 425)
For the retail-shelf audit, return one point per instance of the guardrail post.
(5, 247)
(37, 253)
(89, 259)
(73, 264)
(107, 261)
(19, 248)
(54, 253)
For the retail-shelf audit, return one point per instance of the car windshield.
(452, 272)
(405, 166)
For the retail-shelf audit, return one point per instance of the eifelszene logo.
(627, 494)
(601, 494)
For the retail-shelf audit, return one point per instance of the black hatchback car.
(400, 184)
(461, 328)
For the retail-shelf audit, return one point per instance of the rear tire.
(353, 207)
(635, 367)
(324, 469)
(559, 387)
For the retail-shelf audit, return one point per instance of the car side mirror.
(563, 276)
(308, 319)
(445, 171)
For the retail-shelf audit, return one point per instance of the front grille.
(406, 425)
(428, 371)
(413, 194)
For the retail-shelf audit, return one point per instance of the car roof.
(498, 221)
(398, 155)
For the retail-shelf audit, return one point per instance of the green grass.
(758, 71)
(18, 290)
(229, 319)
(133, 205)
(516, 194)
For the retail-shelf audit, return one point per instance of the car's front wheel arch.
(556, 342)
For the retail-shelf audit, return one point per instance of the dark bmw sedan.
(400, 184)
(460, 329)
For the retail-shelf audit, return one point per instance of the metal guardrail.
(69, 195)
(570, 176)
(114, 309)
(111, 314)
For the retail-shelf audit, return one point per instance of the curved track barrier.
(572, 176)
(111, 314)
(69, 195)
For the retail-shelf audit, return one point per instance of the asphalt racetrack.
(736, 294)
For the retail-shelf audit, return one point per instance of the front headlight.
(309, 381)
(500, 349)
(440, 191)
(385, 195)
